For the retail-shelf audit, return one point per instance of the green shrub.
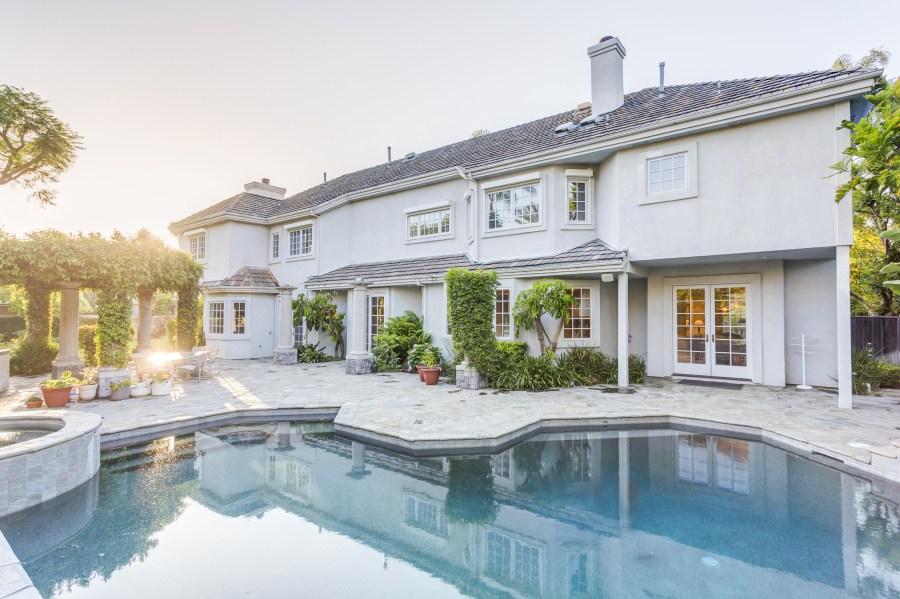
(417, 355)
(399, 335)
(471, 297)
(311, 353)
(32, 357)
(528, 372)
(871, 373)
(87, 343)
(592, 363)
(637, 369)
(11, 326)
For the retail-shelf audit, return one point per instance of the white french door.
(712, 330)
(374, 318)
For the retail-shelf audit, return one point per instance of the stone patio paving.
(397, 409)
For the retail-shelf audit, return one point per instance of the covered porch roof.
(589, 256)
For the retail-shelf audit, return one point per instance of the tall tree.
(35, 146)
(876, 58)
(873, 164)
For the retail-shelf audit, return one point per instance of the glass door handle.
(714, 337)
(707, 337)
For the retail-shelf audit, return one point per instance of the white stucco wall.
(260, 332)
(811, 309)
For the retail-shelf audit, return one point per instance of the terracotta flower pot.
(421, 376)
(56, 398)
(431, 375)
(33, 404)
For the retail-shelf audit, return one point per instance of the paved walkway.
(397, 409)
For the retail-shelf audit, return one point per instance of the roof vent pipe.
(719, 90)
(324, 179)
(662, 80)
(389, 156)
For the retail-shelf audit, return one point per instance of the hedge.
(471, 296)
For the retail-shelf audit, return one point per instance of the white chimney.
(265, 190)
(607, 91)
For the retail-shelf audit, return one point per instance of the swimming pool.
(291, 510)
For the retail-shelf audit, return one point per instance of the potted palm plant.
(431, 372)
(141, 386)
(161, 383)
(120, 390)
(87, 390)
(56, 391)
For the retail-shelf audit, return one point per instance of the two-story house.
(696, 222)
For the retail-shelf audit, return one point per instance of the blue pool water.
(290, 510)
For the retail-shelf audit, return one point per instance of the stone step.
(885, 458)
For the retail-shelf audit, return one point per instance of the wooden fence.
(883, 332)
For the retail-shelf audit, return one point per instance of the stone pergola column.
(145, 321)
(68, 331)
(623, 330)
(359, 360)
(285, 354)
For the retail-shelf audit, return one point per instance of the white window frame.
(509, 314)
(275, 247)
(232, 317)
(585, 176)
(416, 211)
(198, 235)
(430, 236)
(591, 318)
(302, 332)
(298, 228)
(689, 150)
(511, 184)
(369, 296)
(209, 313)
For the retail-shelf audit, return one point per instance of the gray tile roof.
(247, 276)
(594, 250)
(641, 109)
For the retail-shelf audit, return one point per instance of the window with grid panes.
(692, 459)
(276, 245)
(240, 316)
(577, 202)
(515, 207)
(216, 318)
(198, 247)
(306, 241)
(502, 314)
(375, 318)
(579, 325)
(426, 224)
(666, 174)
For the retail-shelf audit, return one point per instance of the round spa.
(45, 454)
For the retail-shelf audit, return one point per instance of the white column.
(623, 329)
(844, 369)
(145, 321)
(359, 360)
(285, 353)
(68, 330)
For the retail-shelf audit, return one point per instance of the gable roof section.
(641, 110)
(594, 250)
(247, 276)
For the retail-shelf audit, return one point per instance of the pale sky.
(182, 102)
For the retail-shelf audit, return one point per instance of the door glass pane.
(690, 331)
(731, 330)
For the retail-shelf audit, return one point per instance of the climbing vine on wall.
(113, 328)
(471, 296)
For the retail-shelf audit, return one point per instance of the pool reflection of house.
(579, 515)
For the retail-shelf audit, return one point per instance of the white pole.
(803, 362)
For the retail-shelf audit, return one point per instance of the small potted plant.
(34, 402)
(431, 372)
(87, 390)
(161, 383)
(56, 391)
(120, 390)
(141, 386)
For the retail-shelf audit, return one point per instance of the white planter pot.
(86, 392)
(161, 388)
(140, 389)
